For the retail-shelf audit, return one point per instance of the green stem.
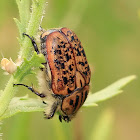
(7, 95)
(34, 22)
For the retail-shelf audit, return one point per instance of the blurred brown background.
(110, 33)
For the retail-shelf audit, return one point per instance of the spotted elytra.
(64, 82)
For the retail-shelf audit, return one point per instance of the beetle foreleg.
(60, 118)
(33, 42)
(32, 89)
(50, 110)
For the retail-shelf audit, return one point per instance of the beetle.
(64, 82)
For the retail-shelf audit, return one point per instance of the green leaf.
(20, 28)
(110, 91)
(23, 104)
(26, 68)
(24, 11)
(24, 14)
(28, 23)
(103, 127)
(38, 8)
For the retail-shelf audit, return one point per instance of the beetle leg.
(66, 118)
(33, 42)
(60, 118)
(32, 89)
(50, 111)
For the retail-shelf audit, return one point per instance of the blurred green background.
(110, 33)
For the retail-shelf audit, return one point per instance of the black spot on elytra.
(83, 53)
(57, 61)
(58, 38)
(62, 42)
(72, 79)
(71, 102)
(62, 66)
(70, 68)
(61, 57)
(65, 80)
(82, 63)
(78, 52)
(81, 98)
(85, 73)
(76, 102)
(67, 50)
(81, 83)
(59, 46)
(68, 57)
(57, 66)
(72, 38)
(80, 46)
(64, 72)
(87, 68)
(69, 32)
(54, 52)
(63, 46)
(59, 52)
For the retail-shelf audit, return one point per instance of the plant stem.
(25, 52)
(34, 23)
(7, 95)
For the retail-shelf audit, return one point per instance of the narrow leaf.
(20, 28)
(38, 8)
(23, 104)
(26, 68)
(110, 91)
(24, 12)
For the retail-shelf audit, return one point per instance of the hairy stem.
(25, 52)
